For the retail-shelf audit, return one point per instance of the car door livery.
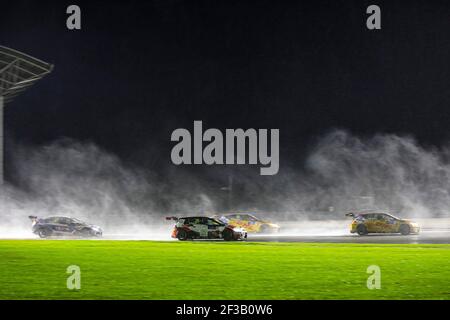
(251, 223)
(59, 225)
(214, 228)
(235, 220)
(378, 223)
(390, 224)
(245, 221)
(382, 223)
(200, 226)
(367, 221)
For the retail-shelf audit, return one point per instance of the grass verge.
(218, 270)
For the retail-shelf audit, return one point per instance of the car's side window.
(65, 221)
(58, 220)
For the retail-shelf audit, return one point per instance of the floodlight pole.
(1, 140)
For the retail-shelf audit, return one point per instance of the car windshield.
(252, 217)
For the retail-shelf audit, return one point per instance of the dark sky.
(140, 69)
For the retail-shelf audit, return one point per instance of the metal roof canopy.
(18, 71)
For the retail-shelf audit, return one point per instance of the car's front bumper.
(415, 229)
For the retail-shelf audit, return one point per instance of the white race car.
(205, 228)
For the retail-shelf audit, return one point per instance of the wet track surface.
(432, 237)
(425, 237)
(434, 231)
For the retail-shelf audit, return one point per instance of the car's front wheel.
(361, 230)
(86, 232)
(264, 229)
(404, 229)
(228, 235)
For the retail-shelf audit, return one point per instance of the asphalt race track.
(425, 237)
(434, 231)
(431, 237)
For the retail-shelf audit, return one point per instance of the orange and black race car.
(364, 223)
(249, 222)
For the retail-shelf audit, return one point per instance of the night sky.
(140, 69)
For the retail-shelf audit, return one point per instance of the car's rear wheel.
(228, 235)
(44, 233)
(405, 230)
(182, 235)
(361, 230)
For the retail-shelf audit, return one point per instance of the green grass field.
(219, 270)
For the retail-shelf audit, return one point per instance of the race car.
(63, 226)
(249, 222)
(189, 228)
(364, 223)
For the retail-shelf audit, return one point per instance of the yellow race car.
(249, 222)
(364, 223)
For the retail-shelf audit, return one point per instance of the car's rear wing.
(350, 214)
(33, 218)
(172, 218)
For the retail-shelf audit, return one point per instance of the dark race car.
(205, 228)
(63, 226)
